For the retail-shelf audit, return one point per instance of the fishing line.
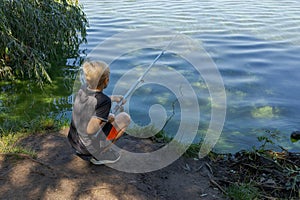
(140, 79)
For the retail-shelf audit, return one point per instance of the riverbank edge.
(257, 173)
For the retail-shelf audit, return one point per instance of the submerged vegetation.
(35, 34)
(266, 112)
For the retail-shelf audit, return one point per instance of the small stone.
(270, 182)
(262, 179)
(295, 135)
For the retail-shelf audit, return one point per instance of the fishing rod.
(140, 79)
(133, 87)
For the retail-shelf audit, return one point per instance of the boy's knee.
(125, 118)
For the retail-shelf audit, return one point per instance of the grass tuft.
(245, 191)
(11, 132)
(9, 145)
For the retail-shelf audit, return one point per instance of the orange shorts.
(110, 131)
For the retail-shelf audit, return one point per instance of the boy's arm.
(95, 124)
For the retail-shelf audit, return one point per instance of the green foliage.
(161, 136)
(192, 151)
(35, 33)
(243, 191)
(267, 139)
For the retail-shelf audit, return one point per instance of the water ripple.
(255, 44)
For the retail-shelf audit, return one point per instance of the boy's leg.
(76, 142)
(121, 122)
(117, 128)
(112, 131)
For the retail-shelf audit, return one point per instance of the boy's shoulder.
(100, 96)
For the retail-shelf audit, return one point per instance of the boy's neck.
(94, 90)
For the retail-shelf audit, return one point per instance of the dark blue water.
(254, 44)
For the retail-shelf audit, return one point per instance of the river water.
(254, 44)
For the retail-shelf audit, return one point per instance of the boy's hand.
(118, 98)
(111, 117)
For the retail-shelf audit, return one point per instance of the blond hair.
(96, 72)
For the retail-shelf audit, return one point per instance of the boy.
(92, 124)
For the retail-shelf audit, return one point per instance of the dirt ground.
(57, 173)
